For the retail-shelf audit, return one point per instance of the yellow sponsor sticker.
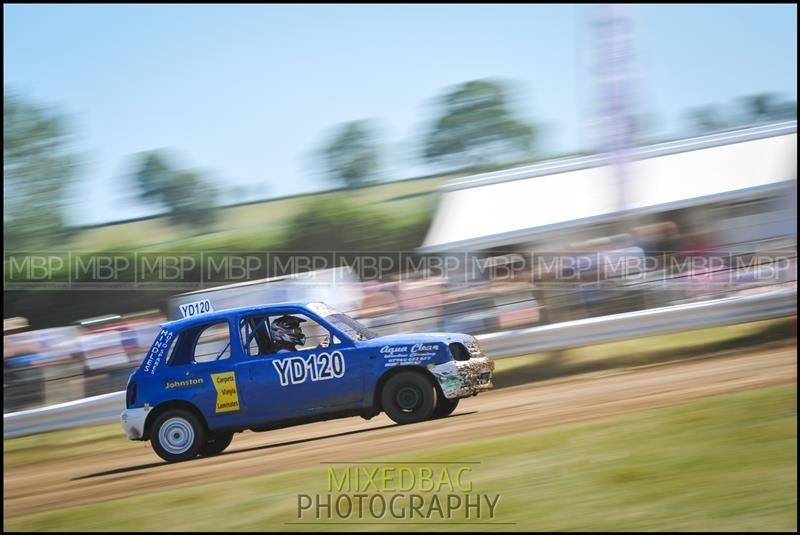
(227, 396)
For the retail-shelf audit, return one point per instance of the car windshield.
(343, 322)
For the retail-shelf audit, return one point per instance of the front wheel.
(215, 444)
(408, 397)
(177, 435)
(445, 407)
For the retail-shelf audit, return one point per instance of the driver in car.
(287, 333)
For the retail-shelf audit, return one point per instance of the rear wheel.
(177, 435)
(215, 444)
(408, 397)
(445, 407)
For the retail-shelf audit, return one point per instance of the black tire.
(215, 444)
(177, 435)
(445, 407)
(408, 397)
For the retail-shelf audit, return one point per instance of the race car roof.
(228, 312)
(515, 205)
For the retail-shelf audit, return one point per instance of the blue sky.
(249, 93)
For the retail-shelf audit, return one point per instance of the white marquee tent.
(507, 207)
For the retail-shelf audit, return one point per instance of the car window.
(260, 336)
(176, 343)
(343, 322)
(213, 343)
(255, 335)
(316, 335)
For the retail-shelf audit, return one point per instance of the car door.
(298, 383)
(259, 384)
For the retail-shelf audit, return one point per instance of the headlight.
(459, 352)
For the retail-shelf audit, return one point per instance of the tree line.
(476, 126)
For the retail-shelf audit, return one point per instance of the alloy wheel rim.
(176, 435)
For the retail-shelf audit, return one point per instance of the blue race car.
(211, 375)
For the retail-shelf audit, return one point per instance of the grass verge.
(714, 341)
(723, 463)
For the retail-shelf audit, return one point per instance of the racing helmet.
(286, 330)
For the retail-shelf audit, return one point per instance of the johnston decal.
(185, 383)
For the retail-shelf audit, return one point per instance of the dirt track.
(135, 469)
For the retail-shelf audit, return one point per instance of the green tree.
(189, 198)
(154, 176)
(705, 119)
(765, 107)
(785, 111)
(351, 157)
(758, 107)
(38, 167)
(477, 127)
(337, 223)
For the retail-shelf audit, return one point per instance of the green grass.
(723, 463)
(645, 350)
(62, 444)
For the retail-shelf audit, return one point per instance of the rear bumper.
(133, 422)
(460, 379)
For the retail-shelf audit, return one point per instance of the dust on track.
(135, 470)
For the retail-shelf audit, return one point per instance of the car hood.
(418, 338)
